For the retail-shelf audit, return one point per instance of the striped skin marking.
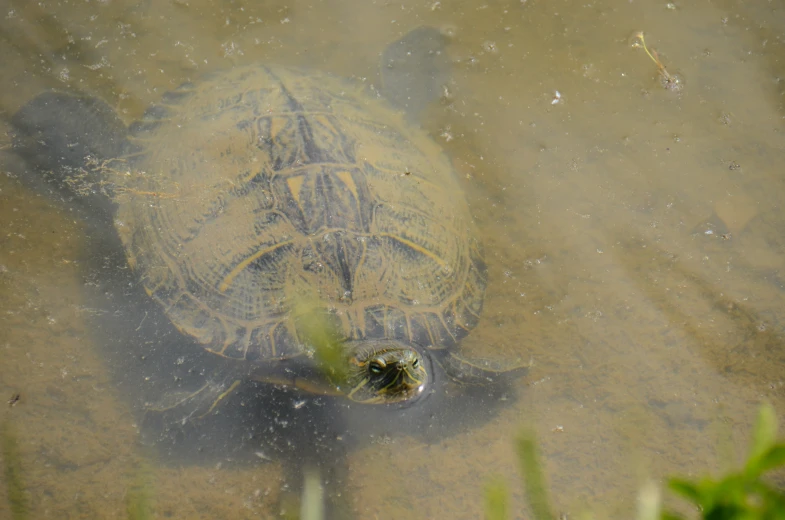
(315, 388)
(220, 398)
(358, 387)
(245, 263)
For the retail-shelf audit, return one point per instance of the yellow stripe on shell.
(295, 184)
(348, 181)
(416, 247)
(245, 263)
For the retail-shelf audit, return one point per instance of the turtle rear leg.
(57, 130)
(62, 137)
(415, 70)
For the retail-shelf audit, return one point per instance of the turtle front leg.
(306, 378)
(178, 408)
(478, 371)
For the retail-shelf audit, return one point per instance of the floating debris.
(14, 399)
(669, 81)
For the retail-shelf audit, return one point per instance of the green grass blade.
(138, 498)
(773, 458)
(312, 500)
(686, 489)
(319, 332)
(533, 477)
(497, 500)
(12, 465)
(649, 502)
(765, 434)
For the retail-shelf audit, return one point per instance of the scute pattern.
(263, 187)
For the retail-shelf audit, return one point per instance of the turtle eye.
(377, 366)
(416, 363)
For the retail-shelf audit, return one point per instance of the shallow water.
(634, 237)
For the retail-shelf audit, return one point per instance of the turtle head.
(386, 372)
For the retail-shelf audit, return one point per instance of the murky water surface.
(635, 238)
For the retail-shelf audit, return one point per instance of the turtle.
(260, 200)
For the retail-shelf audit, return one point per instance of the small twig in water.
(670, 81)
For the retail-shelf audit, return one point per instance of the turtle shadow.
(256, 424)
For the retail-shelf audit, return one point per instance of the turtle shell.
(262, 187)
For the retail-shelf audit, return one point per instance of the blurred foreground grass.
(12, 469)
(140, 491)
(741, 494)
